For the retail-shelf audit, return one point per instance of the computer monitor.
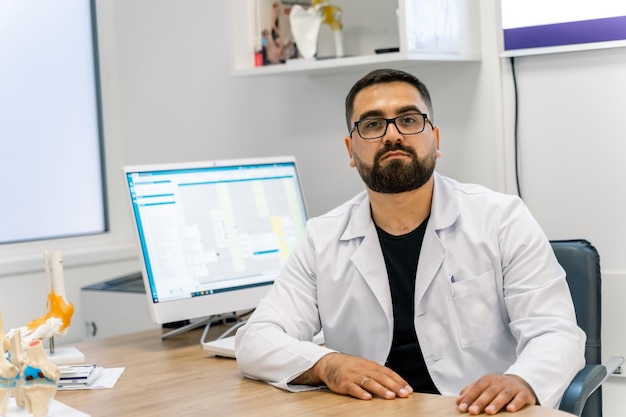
(214, 235)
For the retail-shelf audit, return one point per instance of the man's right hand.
(355, 376)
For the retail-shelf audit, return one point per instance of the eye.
(372, 123)
(409, 119)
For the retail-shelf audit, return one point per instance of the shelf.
(368, 25)
(364, 62)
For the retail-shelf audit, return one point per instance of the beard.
(397, 176)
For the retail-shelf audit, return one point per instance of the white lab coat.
(490, 297)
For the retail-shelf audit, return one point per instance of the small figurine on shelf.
(277, 37)
(57, 320)
(274, 42)
(332, 17)
(306, 24)
(41, 377)
(305, 27)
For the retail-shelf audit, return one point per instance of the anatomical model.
(18, 360)
(306, 24)
(28, 373)
(40, 380)
(57, 320)
(9, 375)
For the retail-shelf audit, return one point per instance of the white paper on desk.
(107, 379)
(56, 409)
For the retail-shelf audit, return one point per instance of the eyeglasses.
(407, 124)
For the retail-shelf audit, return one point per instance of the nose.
(392, 134)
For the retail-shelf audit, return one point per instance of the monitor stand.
(207, 322)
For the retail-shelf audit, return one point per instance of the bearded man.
(419, 283)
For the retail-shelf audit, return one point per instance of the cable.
(516, 129)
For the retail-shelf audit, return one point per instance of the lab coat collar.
(444, 210)
(361, 219)
(444, 213)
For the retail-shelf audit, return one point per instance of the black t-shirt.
(401, 255)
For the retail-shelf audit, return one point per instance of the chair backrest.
(581, 263)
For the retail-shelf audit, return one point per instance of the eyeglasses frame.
(391, 120)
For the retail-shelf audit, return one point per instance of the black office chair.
(581, 262)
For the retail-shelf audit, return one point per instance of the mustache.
(393, 147)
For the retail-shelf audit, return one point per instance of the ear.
(348, 142)
(436, 133)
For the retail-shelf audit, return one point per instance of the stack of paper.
(78, 375)
(105, 378)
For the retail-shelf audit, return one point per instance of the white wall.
(169, 96)
(572, 142)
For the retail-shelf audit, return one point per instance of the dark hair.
(381, 76)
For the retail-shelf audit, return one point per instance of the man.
(420, 282)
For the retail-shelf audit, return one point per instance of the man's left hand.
(493, 392)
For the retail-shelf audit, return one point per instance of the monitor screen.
(213, 235)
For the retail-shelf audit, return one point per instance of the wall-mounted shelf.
(449, 34)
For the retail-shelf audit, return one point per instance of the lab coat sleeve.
(550, 345)
(276, 343)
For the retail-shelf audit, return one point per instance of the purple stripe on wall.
(586, 31)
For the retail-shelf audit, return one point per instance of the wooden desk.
(175, 377)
